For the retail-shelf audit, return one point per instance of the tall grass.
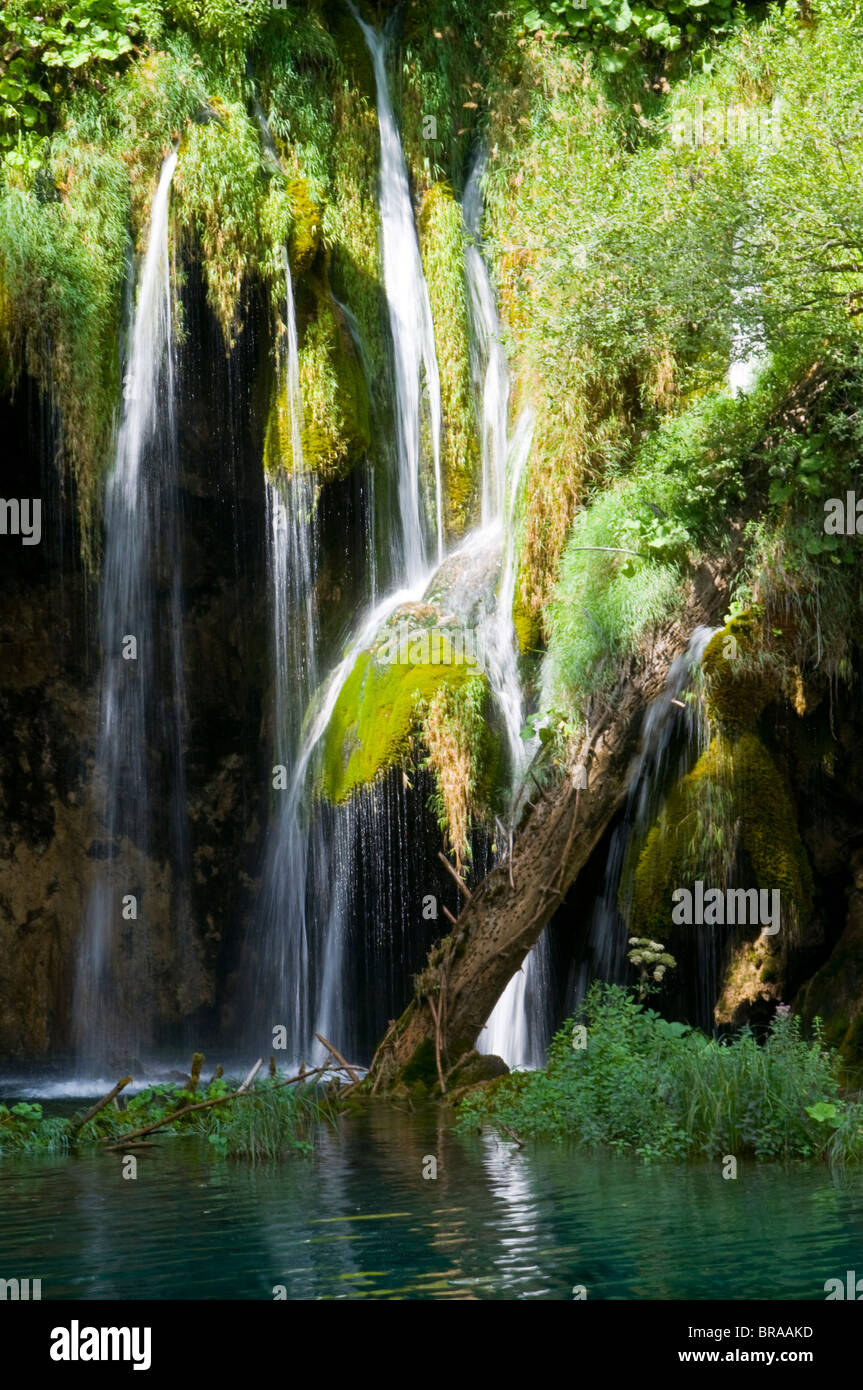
(271, 1122)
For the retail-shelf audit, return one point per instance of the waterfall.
(412, 332)
(516, 1026)
(671, 740)
(112, 961)
(331, 871)
(282, 986)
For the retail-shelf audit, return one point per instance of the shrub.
(665, 1090)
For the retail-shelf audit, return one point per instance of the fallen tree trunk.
(468, 971)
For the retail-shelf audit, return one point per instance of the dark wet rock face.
(52, 846)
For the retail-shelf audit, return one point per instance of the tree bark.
(468, 971)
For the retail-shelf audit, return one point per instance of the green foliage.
(442, 245)
(605, 602)
(667, 1091)
(241, 218)
(23, 1127)
(234, 23)
(39, 52)
(271, 1121)
(450, 50)
(620, 30)
(62, 266)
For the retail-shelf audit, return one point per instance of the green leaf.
(623, 20)
(612, 60)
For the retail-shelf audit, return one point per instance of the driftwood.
(243, 1090)
(75, 1125)
(338, 1056)
(251, 1076)
(129, 1140)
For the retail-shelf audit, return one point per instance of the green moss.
(336, 430)
(375, 716)
(734, 797)
(353, 224)
(527, 624)
(306, 228)
(422, 1067)
(737, 684)
(442, 247)
(221, 188)
(62, 268)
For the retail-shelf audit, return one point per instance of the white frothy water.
(103, 1016)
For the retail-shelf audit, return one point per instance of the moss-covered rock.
(442, 246)
(306, 226)
(753, 981)
(738, 685)
(527, 624)
(336, 431)
(733, 801)
(378, 711)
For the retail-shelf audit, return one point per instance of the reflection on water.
(359, 1220)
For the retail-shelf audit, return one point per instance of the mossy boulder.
(475, 1069)
(733, 802)
(753, 982)
(738, 686)
(527, 624)
(378, 712)
(306, 226)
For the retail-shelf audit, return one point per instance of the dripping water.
(292, 546)
(672, 739)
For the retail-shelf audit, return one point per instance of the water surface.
(359, 1220)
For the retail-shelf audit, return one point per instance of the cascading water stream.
(145, 462)
(515, 1028)
(412, 332)
(282, 984)
(306, 897)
